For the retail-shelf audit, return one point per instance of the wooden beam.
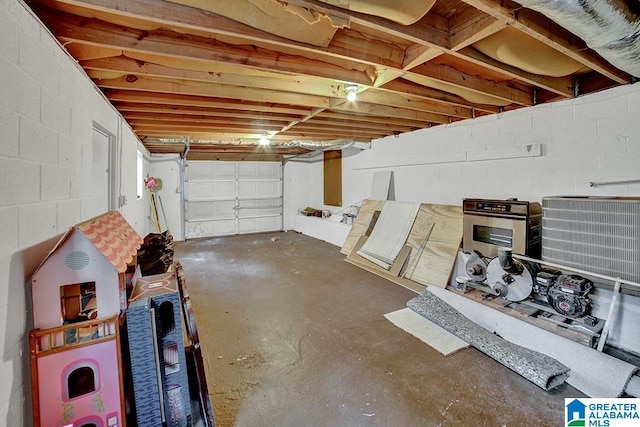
(400, 122)
(128, 108)
(71, 28)
(193, 20)
(405, 87)
(352, 123)
(372, 51)
(560, 85)
(189, 119)
(145, 84)
(470, 26)
(173, 15)
(386, 111)
(299, 84)
(411, 102)
(142, 125)
(323, 129)
(199, 101)
(417, 54)
(446, 74)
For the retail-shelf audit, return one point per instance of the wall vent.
(600, 235)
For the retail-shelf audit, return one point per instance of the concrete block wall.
(47, 110)
(590, 138)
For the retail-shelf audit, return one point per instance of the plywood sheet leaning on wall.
(361, 223)
(394, 274)
(434, 239)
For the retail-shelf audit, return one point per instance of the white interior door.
(100, 179)
(224, 198)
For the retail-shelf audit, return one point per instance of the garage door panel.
(253, 208)
(210, 228)
(199, 211)
(259, 189)
(208, 190)
(259, 170)
(202, 170)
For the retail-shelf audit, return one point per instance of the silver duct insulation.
(611, 28)
(338, 144)
(326, 145)
(319, 147)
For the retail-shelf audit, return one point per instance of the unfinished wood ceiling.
(218, 75)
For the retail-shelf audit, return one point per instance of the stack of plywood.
(430, 250)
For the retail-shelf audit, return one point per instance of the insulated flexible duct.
(611, 28)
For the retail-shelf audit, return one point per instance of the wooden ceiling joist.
(180, 72)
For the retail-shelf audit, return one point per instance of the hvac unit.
(600, 235)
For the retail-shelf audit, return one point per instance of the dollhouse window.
(91, 421)
(170, 353)
(81, 381)
(167, 320)
(78, 302)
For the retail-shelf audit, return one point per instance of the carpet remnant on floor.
(538, 368)
(594, 373)
(426, 331)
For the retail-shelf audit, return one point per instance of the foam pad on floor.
(426, 331)
(538, 368)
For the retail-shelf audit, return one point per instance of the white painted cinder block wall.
(168, 168)
(591, 138)
(47, 110)
(303, 187)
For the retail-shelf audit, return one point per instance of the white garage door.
(224, 198)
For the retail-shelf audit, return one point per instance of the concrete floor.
(293, 335)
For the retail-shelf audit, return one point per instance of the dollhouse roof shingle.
(111, 234)
(114, 238)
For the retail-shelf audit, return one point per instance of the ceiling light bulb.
(352, 93)
(264, 141)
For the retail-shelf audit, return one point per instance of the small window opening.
(78, 302)
(81, 381)
(167, 321)
(170, 352)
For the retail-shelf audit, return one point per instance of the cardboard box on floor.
(433, 245)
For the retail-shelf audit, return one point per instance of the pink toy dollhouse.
(79, 291)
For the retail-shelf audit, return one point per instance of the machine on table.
(493, 230)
